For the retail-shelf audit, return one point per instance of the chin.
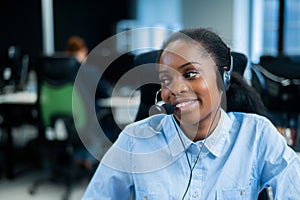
(190, 118)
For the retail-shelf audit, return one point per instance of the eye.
(190, 74)
(165, 80)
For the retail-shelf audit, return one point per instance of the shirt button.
(243, 192)
(195, 195)
(145, 198)
(195, 160)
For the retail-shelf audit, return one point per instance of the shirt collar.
(178, 142)
(215, 141)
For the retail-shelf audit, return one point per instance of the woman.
(77, 47)
(200, 151)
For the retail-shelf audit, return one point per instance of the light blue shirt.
(244, 154)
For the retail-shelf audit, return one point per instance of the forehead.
(180, 52)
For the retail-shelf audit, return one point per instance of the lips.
(185, 104)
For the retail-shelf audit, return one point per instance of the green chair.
(59, 141)
(56, 100)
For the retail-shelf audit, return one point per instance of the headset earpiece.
(227, 74)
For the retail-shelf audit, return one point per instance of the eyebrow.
(188, 63)
(182, 66)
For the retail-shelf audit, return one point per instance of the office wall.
(94, 20)
(20, 24)
(215, 14)
(231, 19)
(159, 12)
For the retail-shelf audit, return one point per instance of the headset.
(227, 74)
(160, 109)
(169, 109)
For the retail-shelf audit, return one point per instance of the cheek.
(200, 88)
(205, 93)
(209, 85)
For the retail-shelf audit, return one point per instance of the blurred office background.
(266, 31)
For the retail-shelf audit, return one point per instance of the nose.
(178, 86)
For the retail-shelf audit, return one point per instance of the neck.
(202, 129)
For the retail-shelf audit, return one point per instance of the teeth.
(180, 105)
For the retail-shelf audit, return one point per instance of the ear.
(226, 68)
(227, 77)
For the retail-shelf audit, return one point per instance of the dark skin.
(189, 82)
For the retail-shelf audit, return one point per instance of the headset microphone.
(169, 108)
(160, 109)
(163, 109)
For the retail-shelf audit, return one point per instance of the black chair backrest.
(240, 61)
(57, 70)
(281, 66)
(277, 79)
(148, 91)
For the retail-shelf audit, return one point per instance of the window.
(292, 27)
(272, 28)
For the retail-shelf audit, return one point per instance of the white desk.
(124, 108)
(120, 101)
(22, 97)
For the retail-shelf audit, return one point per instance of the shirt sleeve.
(108, 184)
(112, 179)
(279, 164)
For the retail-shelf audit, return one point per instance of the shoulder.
(249, 119)
(143, 132)
(139, 141)
(244, 115)
(256, 131)
(142, 128)
(260, 130)
(253, 126)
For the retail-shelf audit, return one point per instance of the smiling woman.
(216, 153)
(189, 83)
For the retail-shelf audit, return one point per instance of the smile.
(185, 104)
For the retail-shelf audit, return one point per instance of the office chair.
(277, 80)
(58, 140)
(148, 91)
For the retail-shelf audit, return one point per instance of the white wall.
(228, 18)
(231, 19)
(215, 14)
(159, 12)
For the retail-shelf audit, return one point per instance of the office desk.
(22, 97)
(15, 109)
(124, 108)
